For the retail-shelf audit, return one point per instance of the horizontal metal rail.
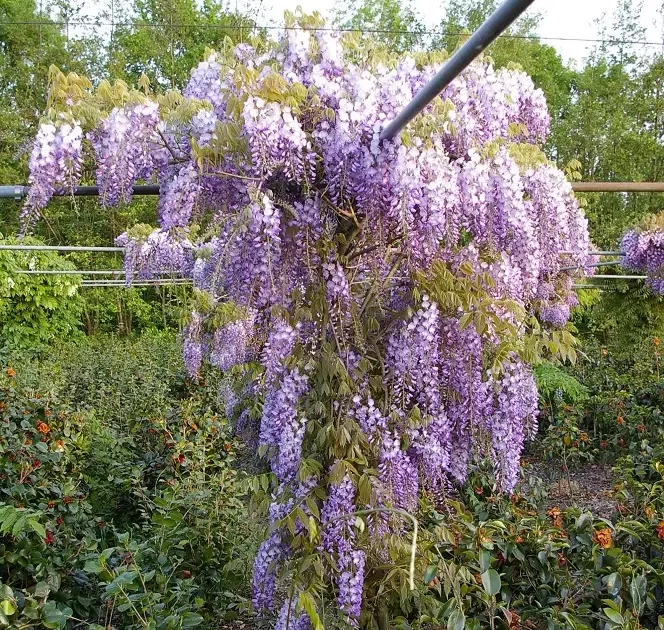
(619, 187)
(19, 192)
(616, 277)
(122, 285)
(609, 263)
(69, 272)
(58, 248)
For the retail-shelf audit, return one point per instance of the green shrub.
(503, 562)
(35, 310)
(131, 521)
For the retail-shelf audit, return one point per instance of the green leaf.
(430, 574)
(613, 583)
(491, 582)
(307, 603)
(485, 560)
(614, 615)
(37, 527)
(190, 620)
(93, 566)
(638, 590)
(8, 607)
(42, 589)
(457, 620)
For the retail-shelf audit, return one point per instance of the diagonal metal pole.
(498, 21)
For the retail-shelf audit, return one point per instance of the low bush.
(505, 562)
(113, 511)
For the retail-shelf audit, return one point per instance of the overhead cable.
(332, 29)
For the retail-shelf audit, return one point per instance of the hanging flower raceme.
(381, 295)
(125, 145)
(158, 254)
(55, 164)
(643, 250)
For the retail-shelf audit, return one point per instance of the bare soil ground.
(588, 487)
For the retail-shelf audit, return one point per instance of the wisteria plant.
(375, 305)
(643, 249)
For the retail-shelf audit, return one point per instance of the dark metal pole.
(20, 192)
(498, 22)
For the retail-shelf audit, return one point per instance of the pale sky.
(562, 18)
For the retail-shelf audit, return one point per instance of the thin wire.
(609, 263)
(122, 285)
(58, 248)
(378, 31)
(596, 253)
(616, 277)
(69, 272)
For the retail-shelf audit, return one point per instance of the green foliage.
(395, 24)
(114, 517)
(504, 562)
(164, 40)
(553, 381)
(35, 310)
(119, 381)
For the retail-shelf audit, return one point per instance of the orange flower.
(655, 341)
(584, 437)
(60, 446)
(11, 373)
(518, 540)
(43, 428)
(556, 517)
(660, 530)
(605, 352)
(603, 537)
(620, 420)
(649, 511)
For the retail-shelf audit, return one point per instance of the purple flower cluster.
(195, 344)
(231, 343)
(289, 619)
(644, 252)
(338, 540)
(178, 197)
(280, 415)
(513, 420)
(162, 252)
(125, 145)
(55, 163)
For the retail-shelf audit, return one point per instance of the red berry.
(186, 574)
